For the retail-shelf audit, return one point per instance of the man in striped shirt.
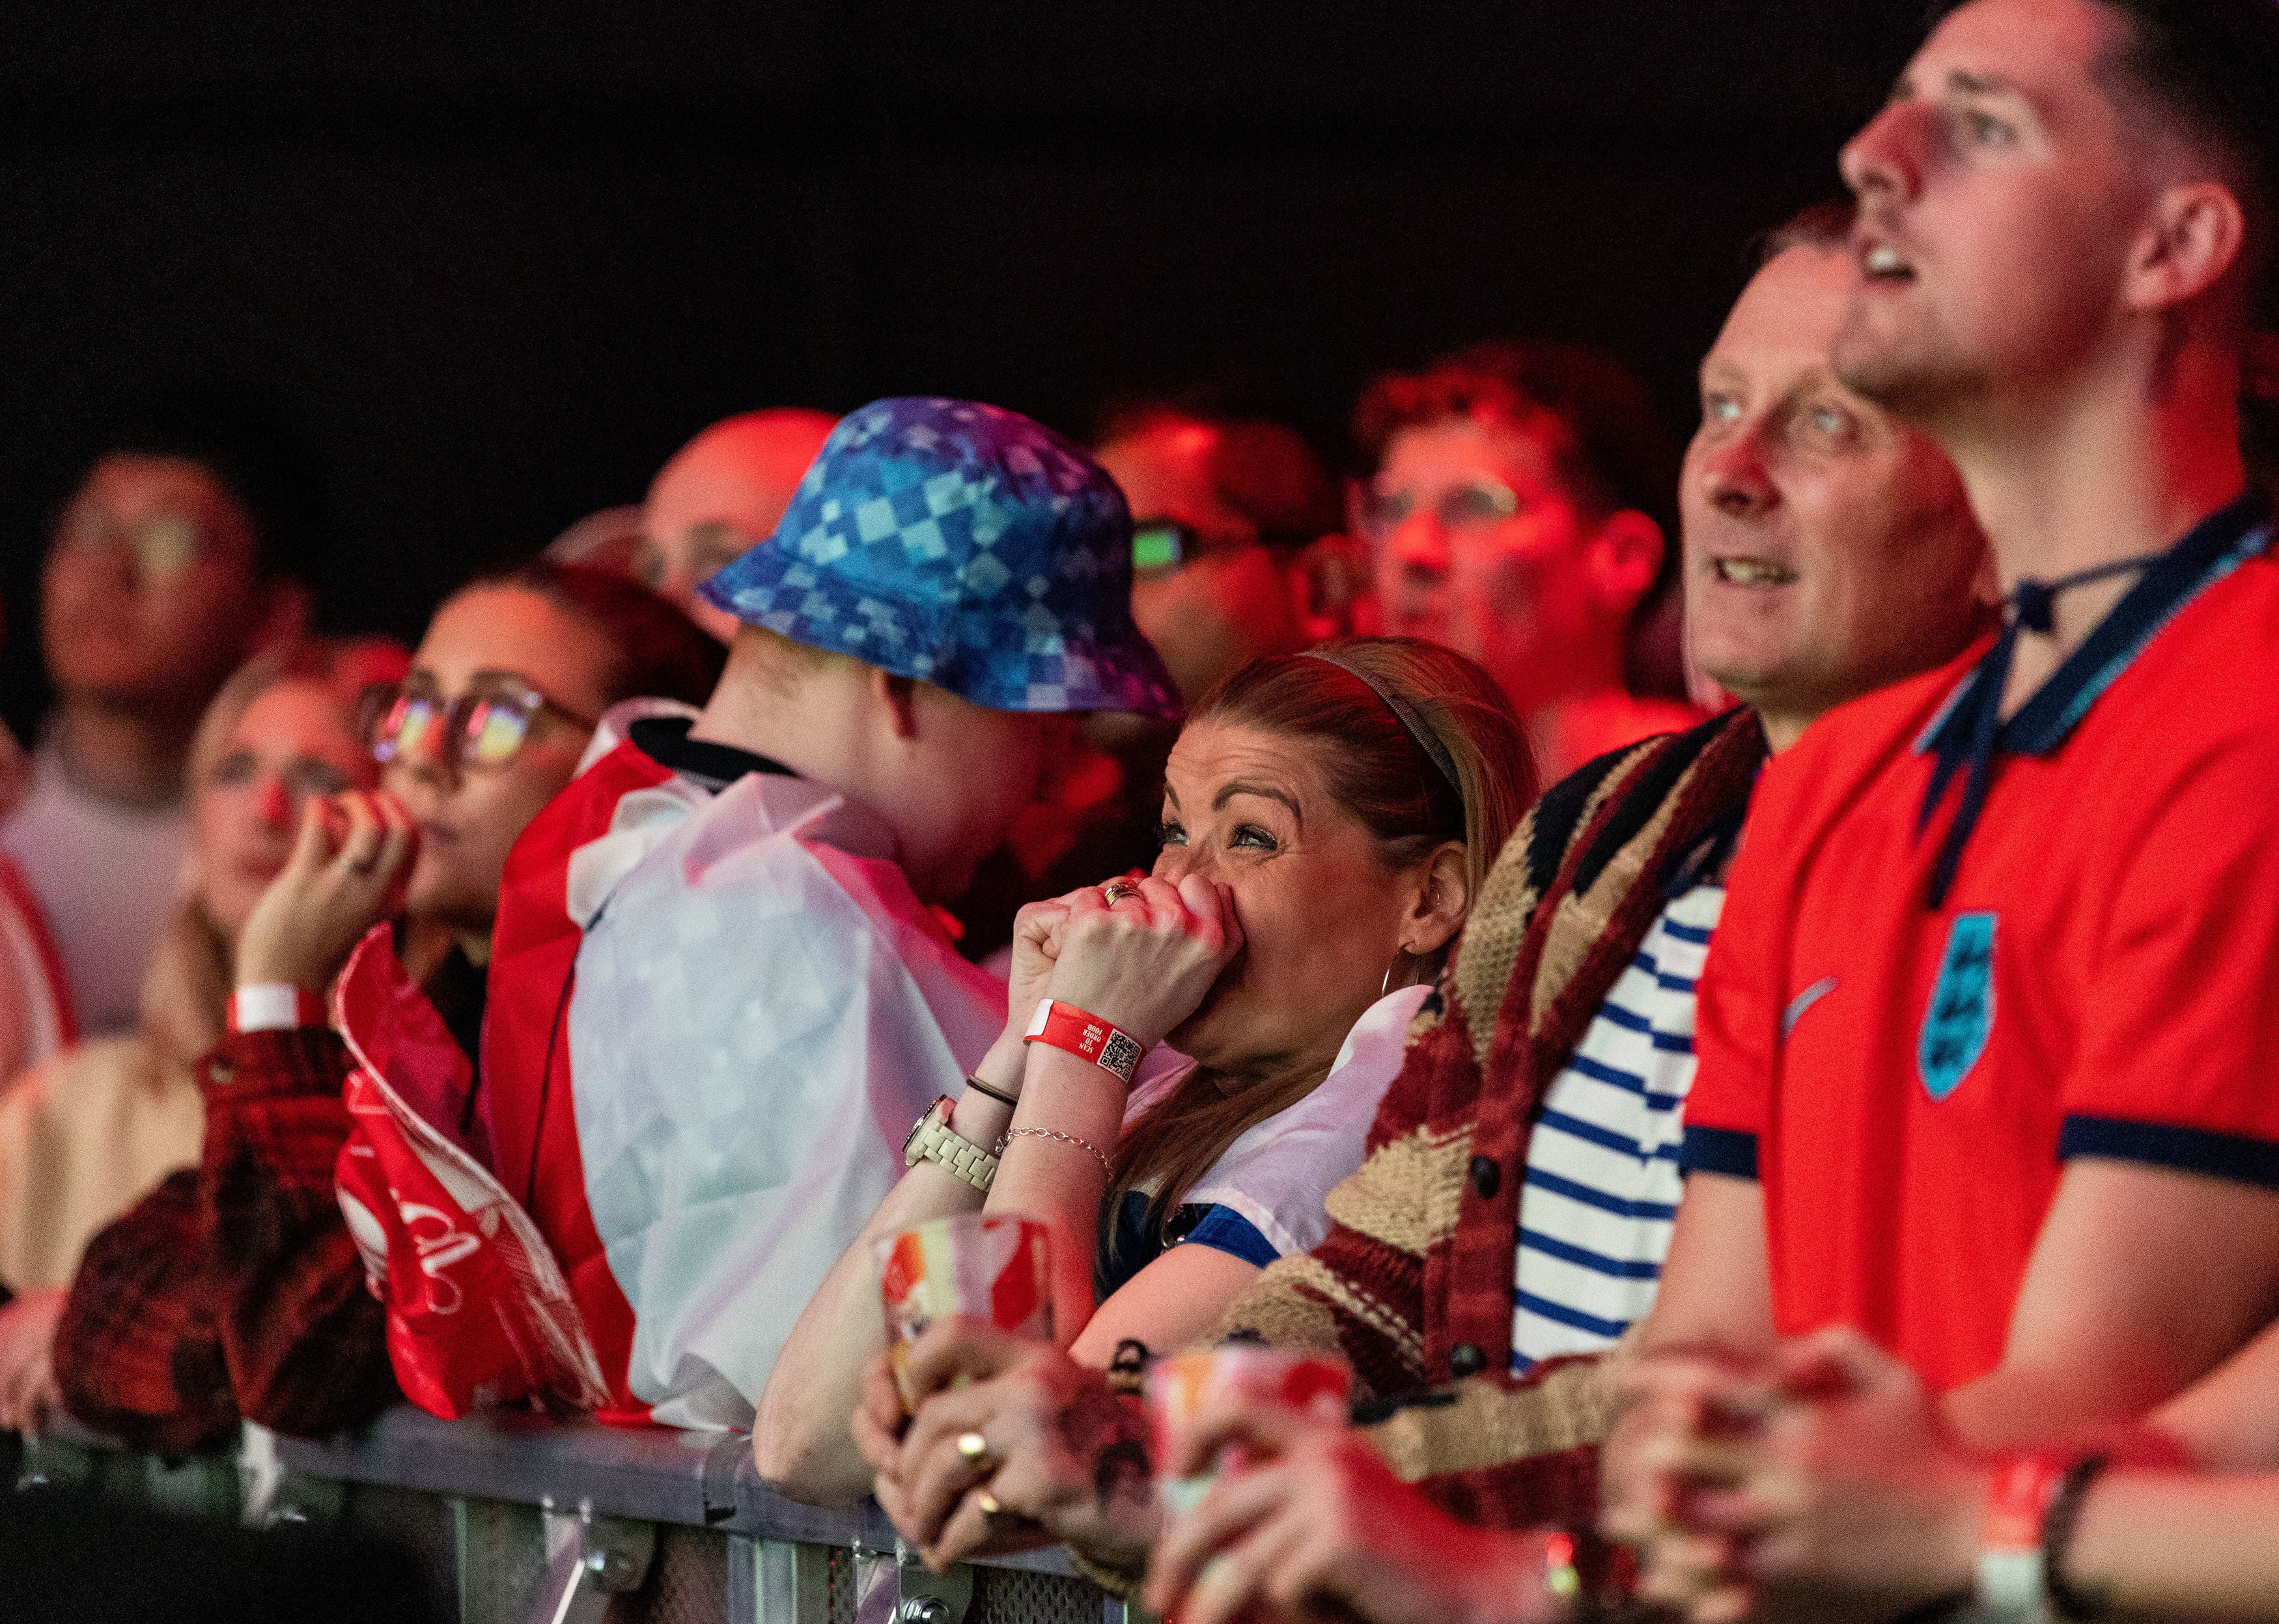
(1602, 1183)
(1828, 551)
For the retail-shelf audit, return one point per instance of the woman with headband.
(1328, 820)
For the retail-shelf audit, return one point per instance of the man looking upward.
(1828, 551)
(1985, 1037)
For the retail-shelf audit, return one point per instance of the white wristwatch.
(931, 1140)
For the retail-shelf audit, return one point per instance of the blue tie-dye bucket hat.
(965, 546)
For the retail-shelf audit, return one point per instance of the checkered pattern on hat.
(963, 545)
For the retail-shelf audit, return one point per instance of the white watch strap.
(936, 1142)
(2014, 1585)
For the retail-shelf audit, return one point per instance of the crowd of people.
(1802, 1155)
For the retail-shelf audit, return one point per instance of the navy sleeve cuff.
(2232, 1156)
(1225, 1229)
(1718, 1150)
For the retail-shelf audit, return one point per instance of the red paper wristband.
(271, 1006)
(1109, 1047)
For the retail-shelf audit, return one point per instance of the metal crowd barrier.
(523, 1520)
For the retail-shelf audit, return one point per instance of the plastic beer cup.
(994, 1266)
(1182, 1385)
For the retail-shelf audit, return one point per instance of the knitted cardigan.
(1414, 1283)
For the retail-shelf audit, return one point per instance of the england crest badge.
(1962, 1012)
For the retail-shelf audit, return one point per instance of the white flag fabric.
(762, 1009)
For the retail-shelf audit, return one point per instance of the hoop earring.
(1385, 986)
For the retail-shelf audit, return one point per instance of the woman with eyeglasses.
(83, 1137)
(238, 1291)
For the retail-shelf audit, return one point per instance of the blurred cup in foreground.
(994, 1266)
(1182, 1385)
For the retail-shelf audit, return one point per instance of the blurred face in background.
(295, 741)
(721, 492)
(1829, 548)
(1227, 600)
(1479, 547)
(512, 644)
(151, 596)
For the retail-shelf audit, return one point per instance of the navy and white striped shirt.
(1602, 1178)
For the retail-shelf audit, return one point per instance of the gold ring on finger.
(1116, 889)
(973, 1447)
(989, 1506)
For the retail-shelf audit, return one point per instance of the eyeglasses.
(162, 545)
(1474, 505)
(1161, 546)
(486, 726)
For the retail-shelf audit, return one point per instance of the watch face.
(936, 1114)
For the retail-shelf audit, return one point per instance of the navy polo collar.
(1965, 736)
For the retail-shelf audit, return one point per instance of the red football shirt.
(2102, 979)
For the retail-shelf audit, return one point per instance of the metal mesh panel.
(843, 1593)
(688, 1582)
(486, 1559)
(1014, 1596)
(501, 1558)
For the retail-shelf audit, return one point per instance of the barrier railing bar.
(649, 1474)
(545, 1519)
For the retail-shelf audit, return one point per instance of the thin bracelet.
(1065, 1138)
(2068, 1599)
(994, 1094)
(1127, 1371)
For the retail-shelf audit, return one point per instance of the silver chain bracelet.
(1065, 1138)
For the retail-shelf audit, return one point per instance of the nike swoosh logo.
(1805, 1001)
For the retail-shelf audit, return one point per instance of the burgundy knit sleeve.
(305, 1339)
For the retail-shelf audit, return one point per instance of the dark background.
(502, 257)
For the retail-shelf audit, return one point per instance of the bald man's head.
(720, 493)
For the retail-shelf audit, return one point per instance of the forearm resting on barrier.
(800, 1441)
(1480, 1424)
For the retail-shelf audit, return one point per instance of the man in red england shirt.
(1985, 1039)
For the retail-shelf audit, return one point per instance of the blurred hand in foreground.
(1066, 1459)
(1306, 1522)
(1825, 1482)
